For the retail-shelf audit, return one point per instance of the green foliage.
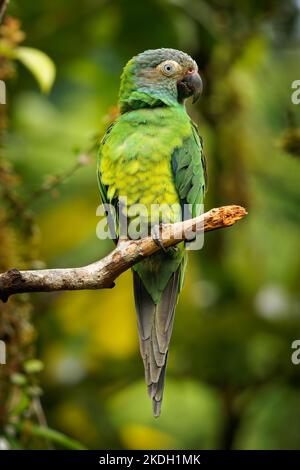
(231, 383)
(40, 65)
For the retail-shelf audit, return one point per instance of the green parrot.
(152, 155)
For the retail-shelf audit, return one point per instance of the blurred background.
(73, 358)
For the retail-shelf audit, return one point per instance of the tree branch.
(3, 7)
(102, 273)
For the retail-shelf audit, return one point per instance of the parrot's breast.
(136, 158)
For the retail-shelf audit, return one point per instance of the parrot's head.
(159, 77)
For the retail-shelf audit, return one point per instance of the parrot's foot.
(156, 237)
(122, 240)
(173, 251)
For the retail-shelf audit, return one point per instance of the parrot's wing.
(111, 206)
(189, 169)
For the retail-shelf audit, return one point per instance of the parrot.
(152, 154)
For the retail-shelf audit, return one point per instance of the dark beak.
(190, 85)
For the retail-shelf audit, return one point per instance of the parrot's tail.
(155, 322)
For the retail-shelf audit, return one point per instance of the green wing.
(102, 187)
(112, 216)
(189, 169)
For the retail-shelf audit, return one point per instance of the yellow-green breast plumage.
(136, 160)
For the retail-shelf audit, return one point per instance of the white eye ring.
(169, 68)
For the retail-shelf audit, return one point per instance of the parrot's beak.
(190, 85)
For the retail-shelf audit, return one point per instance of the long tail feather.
(155, 322)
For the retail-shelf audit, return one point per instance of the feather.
(155, 323)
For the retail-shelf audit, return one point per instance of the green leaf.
(39, 64)
(18, 379)
(51, 434)
(33, 366)
(20, 406)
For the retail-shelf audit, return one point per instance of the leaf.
(18, 379)
(33, 366)
(51, 434)
(39, 64)
(21, 406)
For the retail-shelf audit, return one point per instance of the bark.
(101, 274)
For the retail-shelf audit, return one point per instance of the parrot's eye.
(169, 68)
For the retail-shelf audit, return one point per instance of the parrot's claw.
(192, 238)
(173, 251)
(156, 237)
